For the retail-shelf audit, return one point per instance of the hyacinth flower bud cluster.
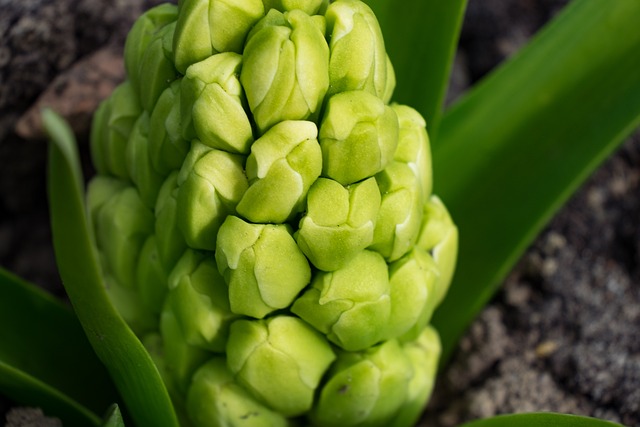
(264, 215)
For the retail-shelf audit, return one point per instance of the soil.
(562, 335)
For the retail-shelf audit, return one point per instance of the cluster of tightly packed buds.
(264, 215)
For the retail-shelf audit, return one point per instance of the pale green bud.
(283, 164)
(358, 57)
(181, 359)
(351, 306)
(99, 135)
(137, 156)
(212, 104)
(123, 109)
(199, 299)
(230, 21)
(413, 146)
(156, 68)
(171, 243)
(206, 27)
(439, 236)
(122, 227)
(211, 183)
(167, 148)
(391, 82)
(215, 399)
(339, 222)
(129, 305)
(144, 30)
(364, 389)
(262, 265)
(285, 72)
(310, 7)
(151, 279)
(413, 281)
(423, 353)
(100, 190)
(358, 136)
(281, 360)
(400, 214)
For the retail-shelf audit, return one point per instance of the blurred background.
(564, 333)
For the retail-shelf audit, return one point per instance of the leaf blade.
(534, 129)
(42, 339)
(540, 419)
(129, 364)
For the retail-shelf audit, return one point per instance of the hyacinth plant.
(265, 242)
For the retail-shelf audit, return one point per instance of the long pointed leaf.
(128, 362)
(540, 420)
(42, 341)
(421, 39)
(512, 151)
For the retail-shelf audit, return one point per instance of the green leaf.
(129, 364)
(45, 354)
(27, 389)
(113, 418)
(540, 420)
(421, 39)
(515, 148)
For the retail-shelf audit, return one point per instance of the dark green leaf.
(26, 389)
(43, 342)
(129, 364)
(540, 420)
(513, 150)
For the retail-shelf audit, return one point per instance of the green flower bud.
(151, 279)
(215, 399)
(128, 303)
(413, 146)
(339, 222)
(99, 135)
(123, 224)
(211, 183)
(139, 167)
(142, 33)
(167, 148)
(391, 82)
(400, 214)
(282, 165)
(212, 104)
(358, 57)
(206, 27)
(439, 235)
(181, 359)
(156, 68)
(100, 190)
(284, 345)
(358, 136)
(231, 20)
(285, 72)
(310, 7)
(262, 265)
(110, 144)
(424, 354)
(350, 305)
(199, 300)
(364, 389)
(413, 281)
(171, 243)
